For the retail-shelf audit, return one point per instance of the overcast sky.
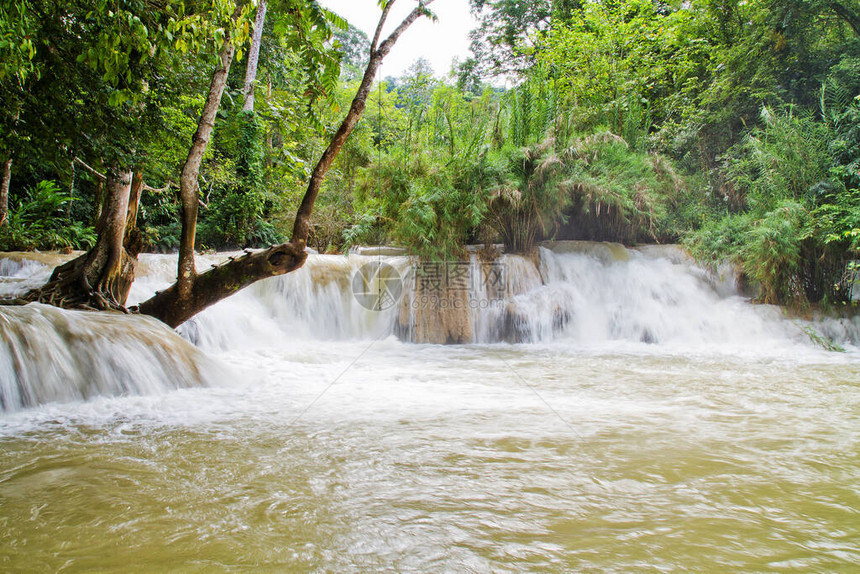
(439, 42)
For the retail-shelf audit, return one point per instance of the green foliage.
(719, 238)
(621, 194)
(529, 199)
(502, 41)
(39, 222)
(17, 48)
(611, 62)
(121, 86)
(733, 123)
(420, 205)
(355, 47)
(822, 341)
(772, 250)
(596, 187)
(787, 158)
(250, 154)
(799, 226)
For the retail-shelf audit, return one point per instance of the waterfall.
(315, 302)
(49, 354)
(572, 292)
(604, 292)
(568, 293)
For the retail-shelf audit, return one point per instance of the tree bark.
(133, 238)
(188, 186)
(193, 293)
(254, 57)
(102, 277)
(222, 281)
(4, 190)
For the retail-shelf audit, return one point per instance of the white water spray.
(574, 295)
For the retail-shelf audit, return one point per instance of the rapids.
(613, 410)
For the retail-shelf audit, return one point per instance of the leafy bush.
(799, 228)
(772, 252)
(720, 238)
(620, 194)
(419, 203)
(38, 222)
(785, 159)
(529, 199)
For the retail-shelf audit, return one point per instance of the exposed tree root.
(70, 285)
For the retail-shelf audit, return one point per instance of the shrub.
(38, 222)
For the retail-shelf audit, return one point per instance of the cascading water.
(574, 293)
(314, 303)
(615, 410)
(48, 354)
(577, 293)
(593, 293)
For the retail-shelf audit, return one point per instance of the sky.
(438, 42)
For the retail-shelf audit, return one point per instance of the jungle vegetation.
(730, 126)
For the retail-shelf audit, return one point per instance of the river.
(646, 418)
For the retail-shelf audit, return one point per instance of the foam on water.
(575, 296)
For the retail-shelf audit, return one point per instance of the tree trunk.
(133, 239)
(254, 57)
(194, 293)
(222, 281)
(188, 186)
(4, 190)
(101, 278)
(99, 201)
(302, 223)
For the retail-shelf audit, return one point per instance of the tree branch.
(167, 187)
(90, 169)
(379, 26)
(222, 281)
(848, 15)
(420, 10)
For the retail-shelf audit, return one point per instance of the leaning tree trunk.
(193, 293)
(4, 190)
(302, 223)
(101, 278)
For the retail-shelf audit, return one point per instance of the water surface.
(355, 453)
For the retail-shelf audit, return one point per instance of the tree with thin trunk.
(188, 186)
(5, 180)
(254, 57)
(101, 278)
(194, 292)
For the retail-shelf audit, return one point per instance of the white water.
(653, 421)
(580, 296)
(584, 296)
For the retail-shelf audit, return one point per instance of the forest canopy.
(732, 127)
